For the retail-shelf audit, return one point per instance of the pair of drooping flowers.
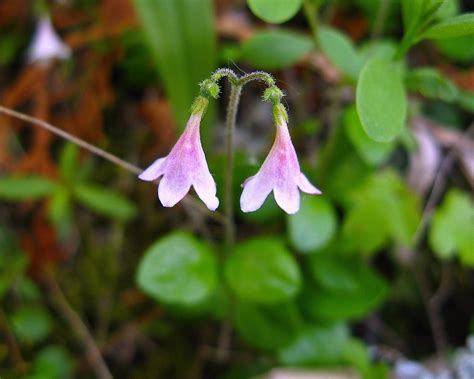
(186, 166)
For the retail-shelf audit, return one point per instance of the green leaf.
(178, 270)
(432, 84)
(182, 40)
(275, 49)
(458, 49)
(105, 202)
(60, 209)
(262, 271)
(381, 209)
(269, 327)
(341, 51)
(313, 226)
(274, 11)
(348, 288)
(53, 362)
(452, 229)
(381, 100)
(452, 27)
(371, 151)
(32, 187)
(316, 346)
(68, 161)
(31, 324)
(412, 12)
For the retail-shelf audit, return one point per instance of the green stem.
(232, 107)
(310, 12)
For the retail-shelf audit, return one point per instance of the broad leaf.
(274, 11)
(452, 228)
(313, 226)
(381, 100)
(341, 51)
(261, 270)
(275, 49)
(267, 327)
(178, 270)
(317, 346)
(431, 83)
(371, 151)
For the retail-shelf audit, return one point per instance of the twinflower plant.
(186, 165)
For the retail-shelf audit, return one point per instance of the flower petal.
(305, 185)
(154, 171)
(205, 187)
(173, 188)
(287, 196)
(256, 190)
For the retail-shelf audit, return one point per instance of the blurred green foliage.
(300, 291)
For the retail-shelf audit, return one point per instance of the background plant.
(96, 277)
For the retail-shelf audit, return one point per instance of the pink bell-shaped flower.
(185, 166)
(46, 44)
(280, 173)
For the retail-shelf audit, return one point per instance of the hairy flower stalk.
(279, 173)
(185, 166)
(46, 44)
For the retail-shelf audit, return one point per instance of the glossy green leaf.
(316, 346)
(31, 187)
(275, 49)
(381, 100)
(412, 12)
(452, 228)
(452, 27)
(105, 202)
(313, 225)
(31, 324)
(432, 84)
(341, 51)
(274, 11)
(267, 327)
(182, 40)
(261, 270)
(371, 151)
(178, 270)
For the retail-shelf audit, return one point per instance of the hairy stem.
(234, 98)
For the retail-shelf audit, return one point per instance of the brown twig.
(83, 335)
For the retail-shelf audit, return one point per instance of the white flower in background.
(46, 44)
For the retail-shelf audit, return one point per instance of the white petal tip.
(213, 204)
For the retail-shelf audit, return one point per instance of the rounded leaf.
(275, 49)
(262, 271)
(274, 11)
(381, 100)
(178, 270)
(313, 226)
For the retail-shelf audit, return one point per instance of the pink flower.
(279, 173)
(185, 166)
(46, 44)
